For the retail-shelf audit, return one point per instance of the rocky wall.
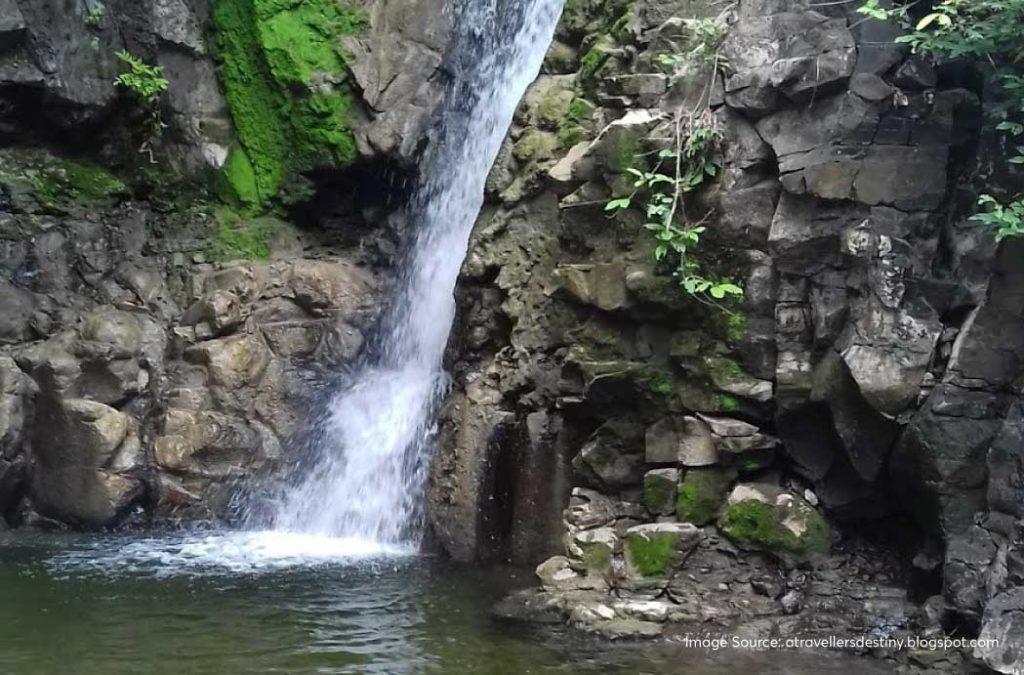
(865, 383)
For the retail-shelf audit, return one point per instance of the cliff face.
(866, 378)
(180, 281)
(795, 460)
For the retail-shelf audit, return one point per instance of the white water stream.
(368, 476)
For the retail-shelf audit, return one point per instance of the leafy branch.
(988, 32)
(660, 196)
(146, 83)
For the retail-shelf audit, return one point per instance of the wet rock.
(232, 362)
(16, 392)
(1002, 629)
(12, 24)
(557, 574)
(613, 455)
(19, 307)
(80, 457)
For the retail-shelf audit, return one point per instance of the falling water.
(374, 443)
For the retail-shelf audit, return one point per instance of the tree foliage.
(987, 32)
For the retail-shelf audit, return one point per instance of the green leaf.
(616, 204)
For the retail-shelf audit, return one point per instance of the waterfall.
(374, 442)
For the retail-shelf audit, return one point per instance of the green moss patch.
(753, 524)
(238, 237)
(58, 182)
(286, 83)
(701, 494)
(651, 555)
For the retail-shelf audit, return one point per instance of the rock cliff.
(856, 410)
(839, 451)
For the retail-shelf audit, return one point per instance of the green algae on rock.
(701, 494)
(654, 549)
(285, 79)
(767, 518)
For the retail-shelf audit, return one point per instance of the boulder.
(613, 456)
(656, 549)
(660, 490)
(602, 285)
(686, 441)
(16, 391)
(323, 287)
(232, 362)
(765, 517)
(797, 53)
(82, 450)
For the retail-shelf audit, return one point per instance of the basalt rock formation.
(839, 452)
(857, 411)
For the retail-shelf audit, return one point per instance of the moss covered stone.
(660, 490)
(56, 182)
(777, 522)
(240, 237)
(535, 145)
(655, 549)
(596, 548)
(239, 180)
(286, 83)
(702, 493)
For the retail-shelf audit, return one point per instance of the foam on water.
(219, 553)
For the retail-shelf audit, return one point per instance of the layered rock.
(867, 372)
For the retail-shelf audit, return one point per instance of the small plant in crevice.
(661, 193)
(145, 83)
(686, 166)
(986, 32)
(704, 39)
(94, 14)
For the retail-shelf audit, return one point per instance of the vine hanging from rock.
(684, 168)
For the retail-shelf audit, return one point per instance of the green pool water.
(231, 603)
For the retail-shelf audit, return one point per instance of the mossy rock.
(774, 521)
(592, 62)
(702, 493)
(597, 547)
(242, 237)
(56, 183)
(535, 145)
(287, 86)
(553, 109)
(655, 549)
(660, 490)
